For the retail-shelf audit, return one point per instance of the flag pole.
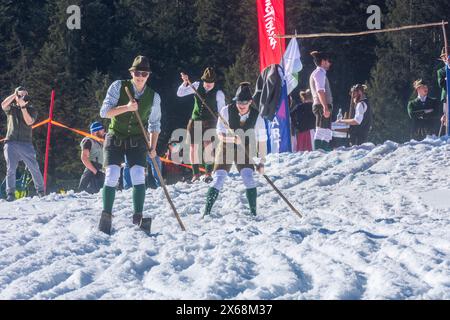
(447, 70)
(47, 145)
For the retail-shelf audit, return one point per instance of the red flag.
(270, 24)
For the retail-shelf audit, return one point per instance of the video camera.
(25, 98)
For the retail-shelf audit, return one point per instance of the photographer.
(18, 143)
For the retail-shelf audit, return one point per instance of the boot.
(143, 223)
(251, 196)
(105, 223)
(195, 178)
(208, 178)
(137, 218)
(211, 197)
(11, 197)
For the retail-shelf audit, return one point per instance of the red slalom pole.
(47, 146)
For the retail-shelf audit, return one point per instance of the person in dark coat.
(304, 122)
(424, 112)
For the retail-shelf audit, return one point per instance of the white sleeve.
(220, 98)
(154, 120)
(260, 130)
(112, 98)
(185, 91)
(359, 112)
(221, 128)
(320, 81)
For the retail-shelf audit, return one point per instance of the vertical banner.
(280, 127)
(47, 146)
(270, 24)
(271, 50)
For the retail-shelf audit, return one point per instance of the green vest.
(416, 108)
(126, 125)
(200, 112)
(96, 152)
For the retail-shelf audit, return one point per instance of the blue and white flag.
(292, 65)
(280, 128)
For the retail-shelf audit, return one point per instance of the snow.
(376, 226)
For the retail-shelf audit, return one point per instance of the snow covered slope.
(376, 226)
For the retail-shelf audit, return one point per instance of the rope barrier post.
(47, 145)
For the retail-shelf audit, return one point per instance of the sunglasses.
(143, 74)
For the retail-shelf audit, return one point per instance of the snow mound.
(376, 226)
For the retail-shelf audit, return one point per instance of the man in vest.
(323, 100)
(424, 112)
(21, 116)
(202, 119)
(360, 120)
(442, 82)
(93, 178)
(125, 139)
(249, 133)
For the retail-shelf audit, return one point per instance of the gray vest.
(96, 154)
(312, 86)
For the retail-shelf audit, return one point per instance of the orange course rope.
(82, 133)
(85, 134)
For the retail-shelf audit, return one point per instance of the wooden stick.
(353, 34)
(155, 164)
(446, 67)
(219, 116)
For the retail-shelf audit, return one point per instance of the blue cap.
(96, 126)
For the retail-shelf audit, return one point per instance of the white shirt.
(360, 109)
(260, 126)
(319, 82)
(320, 76)
(185, 91)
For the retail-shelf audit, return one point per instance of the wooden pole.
(219, 116)
(354, 34)
(155, 164)
(447, 113)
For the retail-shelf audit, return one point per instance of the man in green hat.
(249, 140)
(424, 112)
(442, 82)
(125, 139)
(202, 119)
